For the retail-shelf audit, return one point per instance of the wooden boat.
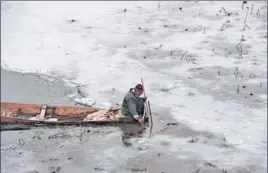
(32, 114)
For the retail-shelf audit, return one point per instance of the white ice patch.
(83, 101)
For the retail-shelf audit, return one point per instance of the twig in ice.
(192, 60)
(245, 20)
(237, 72)
(21, 142)
(183, 55)
(194, 139)
(251, 75)
(237, 89)
(258, 12)
(210, 165)
(223, 9)
(158, 5)
(242, 38)
(204, 30)
(239, 47)
(197, 171)
(225, 24)
(252, 5)
(243, 3)
(260, 84)
(38, 135)
(240, 56)
(81, 136)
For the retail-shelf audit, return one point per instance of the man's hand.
(145, 98)
(141, 120)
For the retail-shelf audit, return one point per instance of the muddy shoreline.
(172, 148)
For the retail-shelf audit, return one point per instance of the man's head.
(138, 89)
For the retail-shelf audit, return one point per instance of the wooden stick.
(146, 103)
(151, 120)
(143, 87)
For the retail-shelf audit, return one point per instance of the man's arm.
(132, 107)
(144, 99)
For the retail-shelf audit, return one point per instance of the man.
(133, 104)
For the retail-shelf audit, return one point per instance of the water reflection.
(129, 131)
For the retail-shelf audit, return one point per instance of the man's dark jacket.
(132, 104)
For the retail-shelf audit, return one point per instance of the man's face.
(139, 92)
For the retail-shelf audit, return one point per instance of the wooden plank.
(35, 109)
(43, 112)
(9, 120)
(22, 108)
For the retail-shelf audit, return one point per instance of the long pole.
(151, 120)
(146, 102)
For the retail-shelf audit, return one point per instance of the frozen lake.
(197, 59)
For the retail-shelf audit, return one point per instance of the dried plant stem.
(251, 75)
(21, 142)
(252, 5)
(258, 12)
(192, 60)
(239, 46)
(223, 9)
(225, 24)
(238, 89)
(183, 55)
(246, 26)
(237, 72)
(245, 20)
(197, 171)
